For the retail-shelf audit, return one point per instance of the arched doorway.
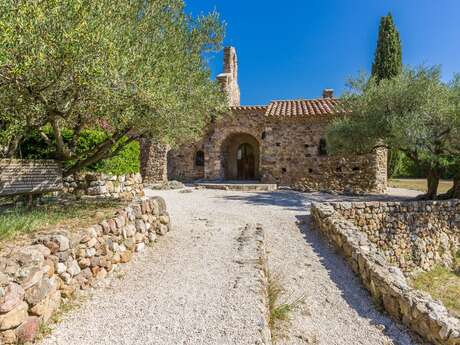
(246, 163)
(240, 157)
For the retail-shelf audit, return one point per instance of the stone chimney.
(229, 78)
(328, 93)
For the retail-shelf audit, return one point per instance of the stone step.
(241, 187)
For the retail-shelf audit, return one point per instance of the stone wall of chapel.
(182, 165)
(247, 122)
(291, 157)
(287, 148)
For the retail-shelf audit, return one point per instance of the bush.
(402, 167)
(127, 161)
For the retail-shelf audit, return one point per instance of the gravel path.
(190, 288)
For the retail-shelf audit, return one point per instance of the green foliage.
(126, 161)
(414, 112)
(388, 55)
(130, 67)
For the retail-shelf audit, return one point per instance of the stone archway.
(240, 157)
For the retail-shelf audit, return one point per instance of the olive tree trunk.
(433, 178)
(454, 192)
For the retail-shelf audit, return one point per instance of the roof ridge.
(304, 99)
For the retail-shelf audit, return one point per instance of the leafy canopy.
(414, 112)
(131, 67)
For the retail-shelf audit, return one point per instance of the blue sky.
(295, 48)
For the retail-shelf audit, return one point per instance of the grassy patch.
(419, 184)
(278, 311)
(21, 220)
(442, 284)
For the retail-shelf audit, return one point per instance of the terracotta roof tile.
(305, 107)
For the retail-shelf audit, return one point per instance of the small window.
(199, 159)
(322, 148)
(264, 135)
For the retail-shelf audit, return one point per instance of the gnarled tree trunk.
(433, 177)
(454, 192)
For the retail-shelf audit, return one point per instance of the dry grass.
(20, 221)
(442, 284)
(278, 311)
(419, 184)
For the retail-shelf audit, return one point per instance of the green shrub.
(127, 161)
(124, 163)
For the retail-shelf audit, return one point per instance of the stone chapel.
(282, 142)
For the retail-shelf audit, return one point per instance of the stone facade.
(280, 143)
(411, 234)
(387, 284)
(153, 161)
(97, 185)
(34, 279)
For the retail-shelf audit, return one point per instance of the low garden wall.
(386, 283)
(410, 234)
(35, 278)
(351, 174)
(100, 185)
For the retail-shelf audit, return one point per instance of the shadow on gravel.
(283, 198)
(348, 283)
(298, 201)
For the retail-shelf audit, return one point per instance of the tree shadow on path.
(351, 288)
(298, 201)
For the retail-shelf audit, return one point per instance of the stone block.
(14, 317)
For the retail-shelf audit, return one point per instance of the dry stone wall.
(387, 284)
(182, 163)
(289, 155)
(34, 279)
(410, 234)
(99, 185)
(153, 161)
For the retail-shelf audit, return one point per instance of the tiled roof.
(305, 107)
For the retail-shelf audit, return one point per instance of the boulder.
(14, 295)
(29, 276)
(28, 330)
(47, 307)
(31, 255)
(14, 317)
(73, 268)
(40, 291)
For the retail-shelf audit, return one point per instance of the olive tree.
(413, 112)
(130, 67)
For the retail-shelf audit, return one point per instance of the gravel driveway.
(187, 289)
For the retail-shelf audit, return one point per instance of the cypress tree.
(388, 56)
(388, 64)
